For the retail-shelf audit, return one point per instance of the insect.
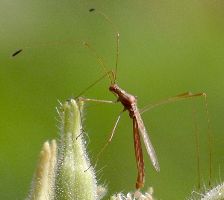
(129, 103)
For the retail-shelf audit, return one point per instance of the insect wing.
(150, 150)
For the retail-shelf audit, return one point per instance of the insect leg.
(95, 100)
(183, 96)
(111, 136)
(178, 97)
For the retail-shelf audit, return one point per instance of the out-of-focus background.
(166, 48)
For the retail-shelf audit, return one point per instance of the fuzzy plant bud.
(64, 171)
(44, 177)
(137, 195)
(216, 193)
(75, 177)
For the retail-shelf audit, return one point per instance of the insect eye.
(112, 88)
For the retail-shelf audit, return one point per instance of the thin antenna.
(100, 61)
(17, 52)
(117, 54)
(117, 37)
(51, 43)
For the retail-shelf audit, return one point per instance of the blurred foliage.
(166, 48)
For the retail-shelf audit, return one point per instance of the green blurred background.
(166, 48)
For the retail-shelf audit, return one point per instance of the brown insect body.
(129, 102)
(139, 156)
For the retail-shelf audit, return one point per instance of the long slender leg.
(94, 83)
(96, 100)
(93, 100)
(111, 136)
(183, 96)
(178, 97)
(139, 156)
(197, 147)
(109, 140)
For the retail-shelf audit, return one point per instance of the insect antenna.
(47, 44)
(100, 61)
(17, 52)
(117, 38)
